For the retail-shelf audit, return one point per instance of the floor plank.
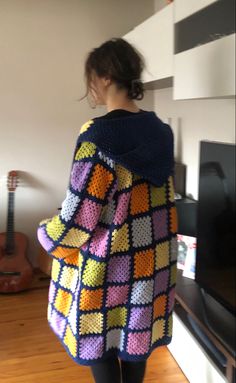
(31, 353)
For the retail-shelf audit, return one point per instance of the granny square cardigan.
(114, 242)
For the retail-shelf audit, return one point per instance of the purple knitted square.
(171, 301)
(140, 317)
(52, 291)
(161, 282)
(139, 342)
(160, 223)
(79, 174)
(58, 323)
(117, 295)
(91, 347)
(43, 239)
(119, 269)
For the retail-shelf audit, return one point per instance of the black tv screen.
(216, 223)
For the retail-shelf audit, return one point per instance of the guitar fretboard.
(10, 223)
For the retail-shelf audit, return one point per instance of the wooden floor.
(31, 353)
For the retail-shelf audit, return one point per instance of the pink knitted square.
(99, 242)
(117, 295)
(138, 342)
(88, 214)
(122, 208)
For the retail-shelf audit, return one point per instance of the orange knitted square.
(144, 263)
(139, 199)
(100, 181)
(173, 220)
(159, 306)
(91, 299)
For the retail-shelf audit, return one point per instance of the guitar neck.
(10, 223)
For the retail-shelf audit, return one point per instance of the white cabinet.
(154, 40)
(185, 8)
(205, 71)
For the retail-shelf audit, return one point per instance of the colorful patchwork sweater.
(114, 243)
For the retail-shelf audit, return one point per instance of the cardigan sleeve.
(91, 185)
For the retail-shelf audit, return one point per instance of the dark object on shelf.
(180, 178)
(187, 216)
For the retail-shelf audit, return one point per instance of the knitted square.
(99, 181)
(99, 242)
(142, 231)
(138, 342)
(159, 218)
(55, 228)
(162, 255)
(173, 219)
(66, 253)
(91, 323)
(55, 270)
(124, 177)
(174, 249)
(73, 316)
(75, 237)
(169, 326)
(107, 213)
(139, 201)
(87, 149)
(51, 292)
(173, 274)
(88, 214)
(121, 208)
(119, 269)
(57, 322)
(171, 192)
(140, 317)
(69, 278)
(117, 295)
(142, 292)
(91, 347)
(116, 317)
(94, 273)
(158, 195)
(158, 330)
(79, 175)
(115, 339)
(42, 237)
(70, 341)
(171, 302)
(144, 263)
(161, 282)
(63, 301)
(120, 239)
(160, 306)
(69, 206)
(91, 299)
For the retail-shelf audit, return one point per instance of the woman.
(113, 244)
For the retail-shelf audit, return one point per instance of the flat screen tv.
(216, 223)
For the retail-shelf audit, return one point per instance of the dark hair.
(121, 62)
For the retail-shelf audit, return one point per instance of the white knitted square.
(173, 249)
(142, 231)
(69, 205)
(115, 338)
(142, 292)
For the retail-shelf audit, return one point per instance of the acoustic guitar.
(16, 272)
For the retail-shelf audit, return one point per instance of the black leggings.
(111, 371)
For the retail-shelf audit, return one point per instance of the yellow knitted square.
(173, 274)
(116, 317)
(55, 228)
(144, 263)
(162, 255)
(158, 195)
(94, 273)
(158, 330)
(70, 341)
(63, 302)
(55, 269)
(120, 239)
(85, 126)
(170, 325)
(91, 323)
(69, 278)
(75, 238)
(85, 150)
(171, 191)
(124, 177)
(91, 299)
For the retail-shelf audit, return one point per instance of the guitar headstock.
(12, 180)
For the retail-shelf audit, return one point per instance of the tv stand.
(209, 323)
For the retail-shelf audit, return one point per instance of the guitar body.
(16, 272)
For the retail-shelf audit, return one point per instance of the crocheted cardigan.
(114, 242)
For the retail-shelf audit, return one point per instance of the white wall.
(42, 48)
(192, 121)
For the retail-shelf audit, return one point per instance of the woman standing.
(114, 242)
